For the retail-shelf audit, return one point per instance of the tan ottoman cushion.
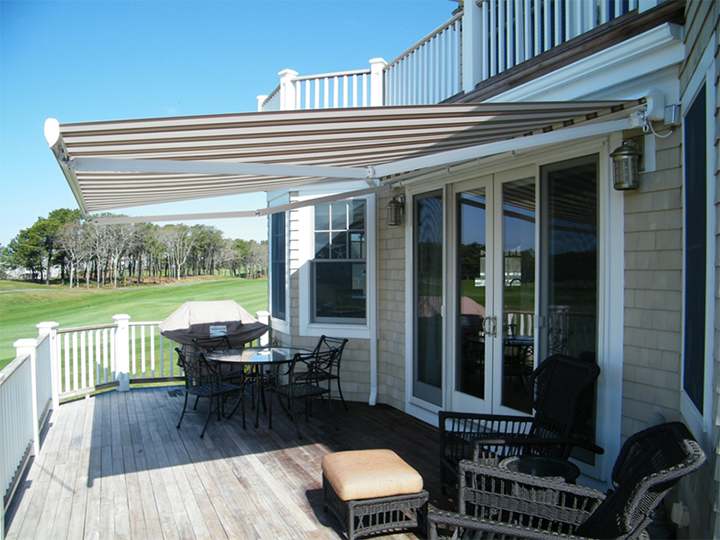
(367, 474)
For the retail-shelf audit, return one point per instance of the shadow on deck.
(116, 466)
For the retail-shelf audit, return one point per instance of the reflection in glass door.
(569, 270)
(428, 331)
(518, 294)
(470, 356)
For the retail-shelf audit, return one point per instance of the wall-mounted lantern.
(395, 211)
(625, 167)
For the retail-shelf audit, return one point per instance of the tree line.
(121, 254)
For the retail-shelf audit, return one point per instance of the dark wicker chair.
(318, 369)
(202, 380)
(559, 384)
(296, 389)
(516, 505)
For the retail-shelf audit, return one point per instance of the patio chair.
(506, 504)
(318, 369)
(558, 384)
(202, 380)
(306, 389)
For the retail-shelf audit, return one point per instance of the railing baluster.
(143, 359)
(83, 361)
(152, 354)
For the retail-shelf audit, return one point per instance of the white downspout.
(375, 294)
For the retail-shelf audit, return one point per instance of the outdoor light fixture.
(625, 167)
(395, 211)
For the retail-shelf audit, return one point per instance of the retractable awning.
(129, 163)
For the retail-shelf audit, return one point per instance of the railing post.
(50, 329)
(471, 57)
(29, 346)
(122, 352)
(377, 90)
(264, 317)
(261, 100)
(287, 89)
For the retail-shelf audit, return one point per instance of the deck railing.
(68, 363)
(428, 72)
(488, 38)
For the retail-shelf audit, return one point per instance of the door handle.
(490, 326)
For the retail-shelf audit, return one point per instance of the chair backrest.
(317, 365)
(328, 343)
(559, 384)
(650, 463)
(195, 367)
(215, 343)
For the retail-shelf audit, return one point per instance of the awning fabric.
(127, 163)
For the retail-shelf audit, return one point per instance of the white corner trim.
(646, 53)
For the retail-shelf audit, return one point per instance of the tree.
(177, 241)
(26, 251)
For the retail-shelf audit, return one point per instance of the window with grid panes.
(339, 265)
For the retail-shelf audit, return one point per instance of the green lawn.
(30, 304)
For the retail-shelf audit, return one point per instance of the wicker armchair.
(516, 505)
(203, 381)
(302, 389)
(559, 384)
(318, 369)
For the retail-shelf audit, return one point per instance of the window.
(278, 266)
(696, 249)
(339, 266)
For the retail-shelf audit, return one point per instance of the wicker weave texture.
(369, 516)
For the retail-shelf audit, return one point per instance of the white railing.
(488, 38)
(428, 72)
(89, 356)
(358, 88)
(333, 90)
(26, 393)
(513, 31)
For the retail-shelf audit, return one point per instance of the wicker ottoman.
(372, 491)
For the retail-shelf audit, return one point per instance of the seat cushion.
(367, 474)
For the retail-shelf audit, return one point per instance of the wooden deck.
(115, 466)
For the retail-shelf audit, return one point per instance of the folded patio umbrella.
(198, 320)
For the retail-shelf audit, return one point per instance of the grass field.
(23, 305)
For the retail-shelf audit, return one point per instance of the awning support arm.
(242, 213)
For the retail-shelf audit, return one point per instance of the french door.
(525, 278)
(494, 298)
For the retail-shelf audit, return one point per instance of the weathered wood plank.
(116, 466)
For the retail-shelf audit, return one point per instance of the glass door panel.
(472, 279)
(518, 298)
(569, 269)
(428, 331)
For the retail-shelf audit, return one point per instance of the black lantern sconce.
(395, 211)
(625, 167)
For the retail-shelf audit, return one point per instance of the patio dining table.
(256, 358)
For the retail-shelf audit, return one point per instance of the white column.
(264, 317)
(29, 347)
(122, 352)
(287, 89)
(471, 46)
(377, 87)
(50, 328)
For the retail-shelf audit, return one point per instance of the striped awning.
(128, 163)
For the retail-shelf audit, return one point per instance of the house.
(453, 212)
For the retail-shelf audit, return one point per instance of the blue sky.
(89, 61)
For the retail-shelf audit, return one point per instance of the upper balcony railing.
(488, 38)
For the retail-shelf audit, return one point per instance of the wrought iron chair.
(303, 389)
(559, 384)
(515, 505)
(203, 381)
(317, 369)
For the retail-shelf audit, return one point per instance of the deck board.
(116, 466)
